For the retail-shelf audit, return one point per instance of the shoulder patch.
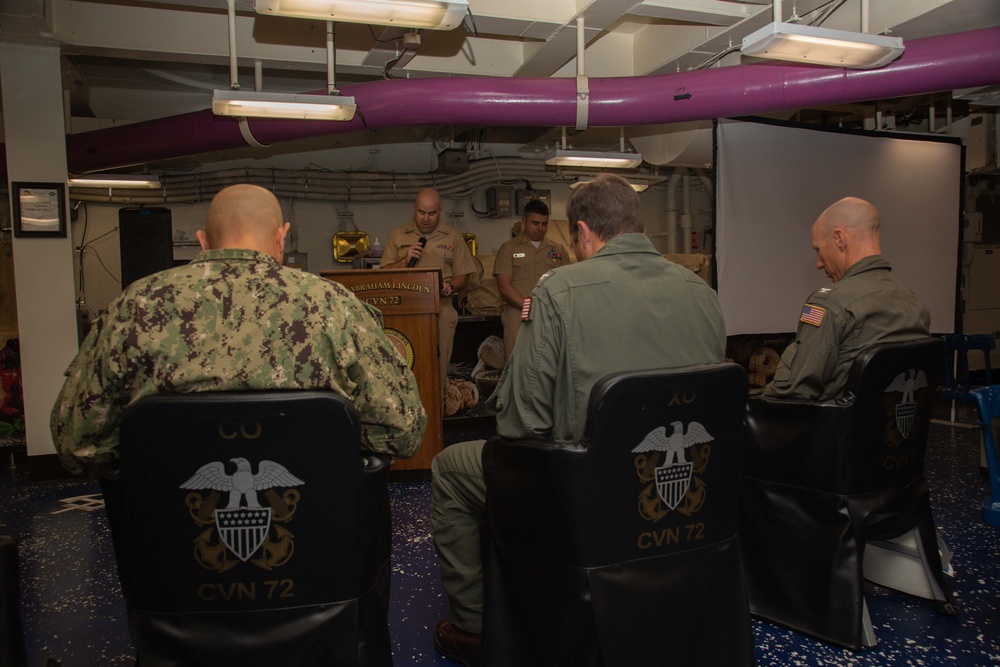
(812, 315)
(526, 310)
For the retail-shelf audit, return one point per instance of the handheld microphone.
(413, 260)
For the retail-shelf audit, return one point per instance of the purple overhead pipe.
(928, 65)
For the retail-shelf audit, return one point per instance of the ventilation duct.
(934, 64)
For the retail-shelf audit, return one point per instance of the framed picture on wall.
(39, 209)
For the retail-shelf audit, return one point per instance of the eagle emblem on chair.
(907, 382)
(673, 477)
(243, 525)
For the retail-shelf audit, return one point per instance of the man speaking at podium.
(433, 245)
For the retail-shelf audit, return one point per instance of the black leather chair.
(249, 530)
(622, 550)
(834, 493)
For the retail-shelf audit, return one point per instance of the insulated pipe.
(687, 220)
(928, 65)
(672, 184)
(234, 82)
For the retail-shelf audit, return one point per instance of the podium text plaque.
(410, 302)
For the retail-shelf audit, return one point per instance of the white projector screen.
(773, 181)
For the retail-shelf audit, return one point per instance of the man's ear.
(839, 238)
(281, 234)
(202, 239)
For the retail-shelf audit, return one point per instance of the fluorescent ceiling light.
(115, 181)
(282, 105)
(638, 187)
(426, 14)
(595, 159)
(822, 46)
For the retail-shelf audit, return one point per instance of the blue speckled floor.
(73, 613)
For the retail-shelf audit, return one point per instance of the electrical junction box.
(499, 201)
(297, 260)
(522, 197)
(453, 161)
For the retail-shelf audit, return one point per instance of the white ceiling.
(127, 60)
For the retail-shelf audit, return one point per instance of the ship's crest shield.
(907, 383)
(244, 524)
(673, 477)
(243, 530)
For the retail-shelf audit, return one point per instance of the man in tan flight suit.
(520, 263)
(444, 248)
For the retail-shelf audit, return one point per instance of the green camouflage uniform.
(234, 320)
(868, 305)
(626, 308)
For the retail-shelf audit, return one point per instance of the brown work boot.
(457, 644)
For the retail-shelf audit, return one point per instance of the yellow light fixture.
(423, 14)
(282, 105)
(115, 181)
(594, 159)
(796, 42)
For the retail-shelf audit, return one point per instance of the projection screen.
(774, 179)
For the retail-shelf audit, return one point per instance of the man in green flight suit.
(865, 305)
(234, 319)
(622, 307)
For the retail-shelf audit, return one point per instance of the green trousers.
(458, 507)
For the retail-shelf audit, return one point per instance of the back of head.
(243, 216)
(860, 222)
(608, 205)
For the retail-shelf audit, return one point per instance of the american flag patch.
(812, 315)
(526, 310)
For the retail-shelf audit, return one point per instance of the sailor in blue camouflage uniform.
(234, 319)
(622, 307)
(864, 306)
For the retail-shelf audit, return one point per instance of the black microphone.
(413, 260)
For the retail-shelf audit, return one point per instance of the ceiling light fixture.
(638, 187)
(282, 105)
(796, 42)
(594, 159)
(424, 14)
(115, 181)
(564, 157)
(257, 104)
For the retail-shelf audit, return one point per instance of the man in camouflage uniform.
(234, 319)
(865, 305)
(622, 307)
(520, 263)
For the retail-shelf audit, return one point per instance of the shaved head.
(245, 216)
(845, 233)
(851, 213)
(427, 210)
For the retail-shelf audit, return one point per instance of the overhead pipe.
(687, 219)
(933, 64)
(672, 210)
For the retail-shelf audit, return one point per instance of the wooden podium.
(410, 302)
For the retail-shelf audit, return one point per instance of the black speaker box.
(147, 243)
